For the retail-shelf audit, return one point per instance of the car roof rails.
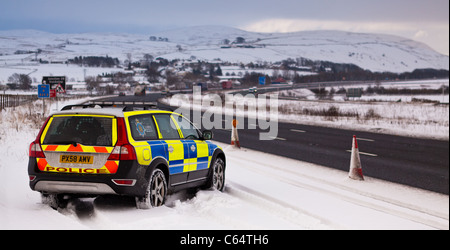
(125, 106)
(135, 107)
(154, 106)
(83, 106)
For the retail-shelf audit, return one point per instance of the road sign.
(43, 91)
(56, 82)
(354, 92)
(262, 80)
(59, 89)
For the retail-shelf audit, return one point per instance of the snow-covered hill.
(375, 52)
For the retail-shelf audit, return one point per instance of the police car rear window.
(142, 127)
(86, 130)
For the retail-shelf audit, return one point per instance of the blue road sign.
(262, 80)
(43, 91)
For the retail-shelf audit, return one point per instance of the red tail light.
(36, 150)
(35, 146)
(123, 149)
(123, 152)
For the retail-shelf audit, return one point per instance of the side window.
(166, 126)
(187, 128)
(142, 127)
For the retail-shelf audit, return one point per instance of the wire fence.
(8, 101)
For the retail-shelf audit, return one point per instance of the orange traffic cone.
(234, 135)
(355, 163)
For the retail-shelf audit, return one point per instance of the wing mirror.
(207, 135)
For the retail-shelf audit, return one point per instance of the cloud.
(421, 34)
(434, 34)
(292, 25)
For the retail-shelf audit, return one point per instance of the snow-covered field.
(263, 191)
(406, 119)
(37, 71)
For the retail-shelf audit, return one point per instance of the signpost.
(57, 83)
(43, 91)
(354, 92)
(262, 80)
(50, 87)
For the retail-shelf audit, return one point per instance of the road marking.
(364, 139)
(364, 153)
(297, 130)
(278, 138)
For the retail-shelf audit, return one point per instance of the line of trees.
(95, 61)
(354, 73)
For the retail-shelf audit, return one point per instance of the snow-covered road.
(263, 191)
(331, 199)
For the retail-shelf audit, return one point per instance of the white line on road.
(278, 138)
(364, 139)
(297, 130)
(364, 153)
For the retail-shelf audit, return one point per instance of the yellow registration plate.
(80, 159)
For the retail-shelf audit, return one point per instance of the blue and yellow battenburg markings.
(186, 155)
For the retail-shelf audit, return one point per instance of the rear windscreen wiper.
(74, 143)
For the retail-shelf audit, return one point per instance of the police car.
(87, 150)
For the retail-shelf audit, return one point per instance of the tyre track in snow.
(279, 208)
(348, 194)
(246, 195)
(273, 192)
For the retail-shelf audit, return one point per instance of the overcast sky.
(421, 20)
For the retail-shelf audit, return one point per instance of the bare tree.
(21, 80)
(147, 60)
(129, 60)
(92, 83)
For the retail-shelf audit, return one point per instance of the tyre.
(155, 195)
(55, 201)
(217, 175)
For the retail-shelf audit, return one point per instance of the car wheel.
(155, 195)
(55, 201)
(218, 174)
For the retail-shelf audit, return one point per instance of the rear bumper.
(90, 184)
(73, 187)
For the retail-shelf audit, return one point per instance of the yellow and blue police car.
(89, 150)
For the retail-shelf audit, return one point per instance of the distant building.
(279, 80)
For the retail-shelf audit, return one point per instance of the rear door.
(177, 151)
(144, 138)
(79, 144)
